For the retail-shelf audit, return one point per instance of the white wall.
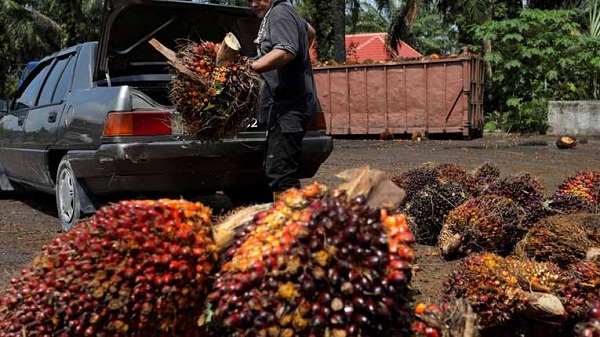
(574, 118)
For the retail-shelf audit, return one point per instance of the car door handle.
(52, 116)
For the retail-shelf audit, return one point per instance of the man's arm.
(274, 59)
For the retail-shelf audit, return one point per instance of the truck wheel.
(67, 200)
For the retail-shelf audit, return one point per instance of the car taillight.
(319, 123)
(138, 123)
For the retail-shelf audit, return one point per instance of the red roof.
(371, 46)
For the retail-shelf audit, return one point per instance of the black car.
(57, 134)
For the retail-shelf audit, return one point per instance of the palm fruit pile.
(445, 319)
(499, 289)
(524, 190)
(430, 206)
(585, 183)
(559, 239)
(316, 264)
(486, 223)
(135, 268)
(590, 326)
(219, 104)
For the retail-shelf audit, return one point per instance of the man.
(288, 101)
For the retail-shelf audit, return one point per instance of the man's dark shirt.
(288, 96)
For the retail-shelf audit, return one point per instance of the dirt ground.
(27, 221)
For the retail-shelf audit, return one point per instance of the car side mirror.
(4, 105)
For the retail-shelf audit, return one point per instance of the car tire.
(67, 198)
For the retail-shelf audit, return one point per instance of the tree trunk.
(339, 31)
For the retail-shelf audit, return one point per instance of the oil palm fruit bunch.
(220, 99)
(501, 289)
(316, 264)
(489, 223)
(524, 190)
(416, 179)
(559, 239)
(569, 204)
(582, 288)
(430, 206)
(486, 172)
(484, 280)
(482, 176)
(445, 319)
(135, 268)
(585, 183)
(451, 172)
(590, 326)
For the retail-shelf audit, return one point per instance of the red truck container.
(443, 96)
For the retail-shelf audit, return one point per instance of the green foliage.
(320, 15)
(539, 56)
(31, 29)
(369, 20)
(432, 34)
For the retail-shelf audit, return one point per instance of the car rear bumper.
(186, 166)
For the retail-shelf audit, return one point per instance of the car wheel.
(67, 199)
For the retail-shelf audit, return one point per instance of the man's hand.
(275, 59)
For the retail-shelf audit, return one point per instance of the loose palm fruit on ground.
(585, 183)
(316, 264)
(590, 325)
(486, 223)
(135, 268)
(524, 190)
(429, 207)
(447, 319)
(559, 239)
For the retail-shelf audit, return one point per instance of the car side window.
(51, 82)
(29, 94)
(65, 81)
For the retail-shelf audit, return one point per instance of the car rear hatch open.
(128, 25)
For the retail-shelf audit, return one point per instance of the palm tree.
(594, 17)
